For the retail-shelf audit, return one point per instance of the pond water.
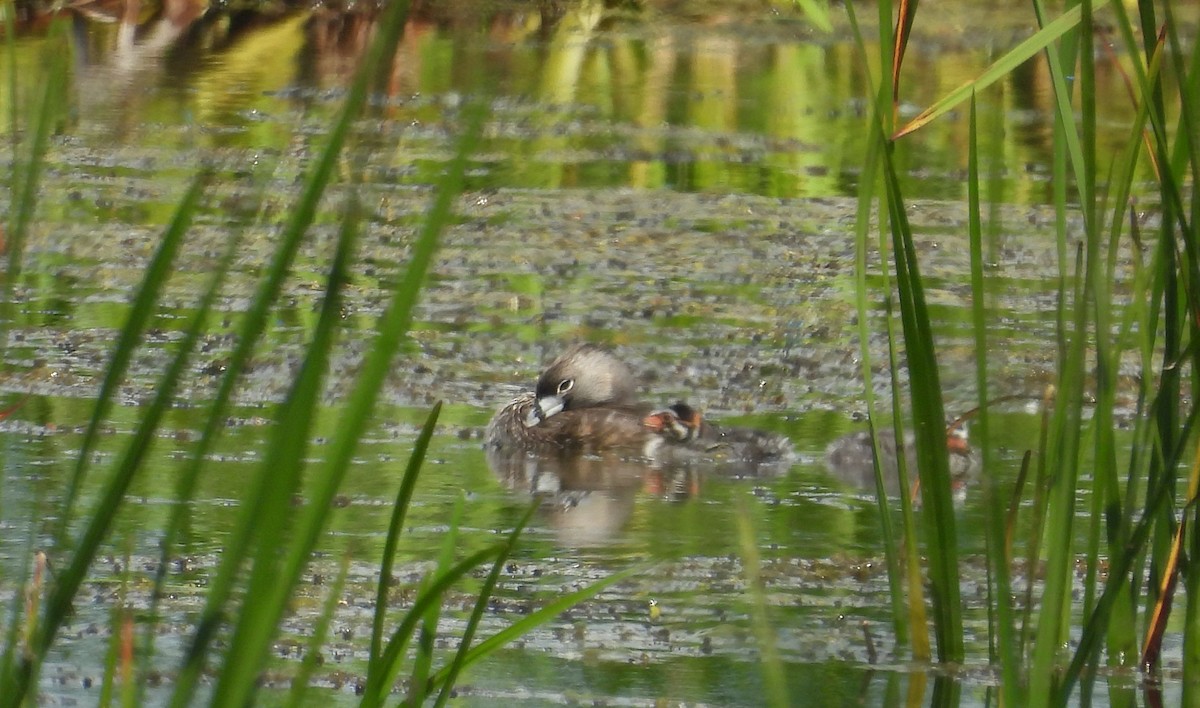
(678, 187)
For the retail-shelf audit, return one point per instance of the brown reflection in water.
(142, 38)
(337, 39)
(113, 81)
(586, 499)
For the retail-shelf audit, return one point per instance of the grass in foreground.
(265, 555)
(1139, 526)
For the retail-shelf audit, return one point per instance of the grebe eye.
(565, 386)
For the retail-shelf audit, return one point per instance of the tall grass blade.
(774, 681)
(312, 653)
(533, 620)
(904, 23)
(901, 619)
(279, 480)
(392, 326)
(23, 189)
(1037, 523)
(45, 112)
(1115, 511)
(14, 101)
(14, 687)
(186, 485)
(388, 31)
(1014, 506)
(1184, 169)
(431, 594)
(423, 660)
(456, 665)
(395, 527)
(1001, 68)
(1157, 621)
(1072, 151)
(1060, 510)
(914, 580)
(1105, 375)
(917, 618)
(141, 310)
(929, 418)
(1006, 652)
(1119, 574)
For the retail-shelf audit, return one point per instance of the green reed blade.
(775, 691)
(418, 686)
(1168, 166)
(27, 164)
(1061, 64)
(1037, 523)
(1185, 169)
(1158, 619)
(933, 466)
(1191, 647)
(1186, 160)
(862, 224)
(1144, 311)
(913, 579)
(140, 311)
(1116, 511)
(1098, 298)
(455, 667)
(1166, 402)
(312, 652)
(887, 53)
(529, 622)
(392, 327)
(1119, 573)
(388, 29)
(46, 111)
(1006, 653)
(186, 485)
(268, 511)
(817, 13)
(1000, 69)
(395, 527)
(1076, 151)
(14, 126)
(1010, 519)
(1060, 514)
(99, 521)
(377, 690)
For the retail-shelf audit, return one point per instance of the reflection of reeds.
(263, 558)
(1129, 527)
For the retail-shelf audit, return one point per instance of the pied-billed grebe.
(850, 457)
(586, 401)
(585, 376)
(683, 429)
